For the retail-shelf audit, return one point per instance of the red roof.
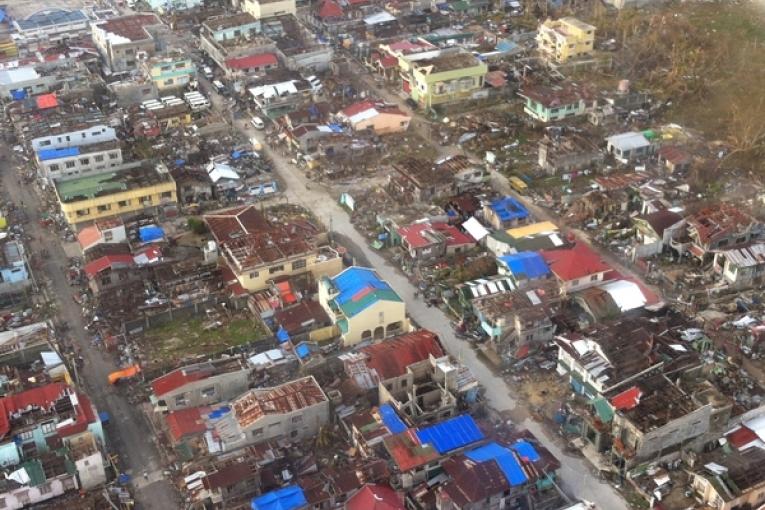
(286, 293)
(407, 452)
(107, 262)
(742, 437)
(46, 101)
(187, 422)
(375, 497)
(252, 61)
(361, 106)
(628, 399)
(415, 234)
(573, 263)
(45, 397)
(89, 236)
(330, 9)
(176, 379)
(391, 357)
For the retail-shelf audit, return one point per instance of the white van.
(315, 83)
(257, 123)
(219, 87)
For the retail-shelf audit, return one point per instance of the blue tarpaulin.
(302, 351)
(18, 94)
(236, 155)
(355, 279)
(526, 450)
(504, 458)
(180, 162)
(527, 263)
(65, 152)
(391, 419)
(2, 15)
(221, 411)
(451, 434)
(282, 335)
(103, 417)
(509, 209)
(286, 498)
(150, 233)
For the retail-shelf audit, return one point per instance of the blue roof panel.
(391, 419)
(65, 152)
(286, 498)
(528, 263)
(526, 450)
(282, 335)
(353, 280)
(451, 434)
(504, 458)
(508, 208)
(302, 351)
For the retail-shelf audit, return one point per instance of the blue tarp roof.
(2, 15)
(302, 351)
(504, 458)
(391, 419)
(286, 498)
(150, 233)
(65, 152)
(451, 434)
(180, 162)
(282, 335)
(18, 94)
(221, 411)
(354, 279)
(526, 450)
(508, 208)
(528, 263)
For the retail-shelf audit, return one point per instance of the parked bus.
(518, 185)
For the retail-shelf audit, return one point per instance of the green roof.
(35, 471)
(90, 186)
(343, 325)
(460, 5)
(351, 307)
(603, 409)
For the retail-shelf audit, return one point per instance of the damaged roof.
(718, 221)
(390, 358)
(284, 399)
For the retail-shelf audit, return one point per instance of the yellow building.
(363, 306)
(259, 250)
(564, 39)
(115, 193)
(443, 76)
(260, 9)
(173, 71)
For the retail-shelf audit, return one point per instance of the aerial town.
(382, 255)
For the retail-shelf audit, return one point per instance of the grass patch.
(187, 338)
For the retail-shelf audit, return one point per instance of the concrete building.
(200, 384)
(741, 267)
(22, 82)
(145, 188)
(236, 43)
(374, 116)
(49, 26)
(258, 250)
(173, 70)
(626, 147)
(72, 162)
(576, 268)
(65, 136)
(442, 76)
(125, 41)
(551, 104)
(261, 9)
(655, 231)
(363, 306)
(506, 212)
(719, 227)
(565, 39)
(432, 241)
(565, 154)
(727, 481)
(293, 411)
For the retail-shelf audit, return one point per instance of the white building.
(76, 138)
(70, 162)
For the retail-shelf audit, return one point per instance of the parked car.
(257, 123)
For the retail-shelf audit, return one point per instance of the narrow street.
(128, 434)
(576, 476)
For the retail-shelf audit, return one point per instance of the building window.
(98, 158)
(2, 503)
(275, 269)
(293, 434)
(83, 212)
(114, 155)
(85, 161)
(180, 65)
(146, 200)
(45, 143)
(104, 208)
(254, 275)
(208, 392)
(123, 203)
(297, 419)
(257, 432)
(166, 194)
(108, 235)
(26, 435)
(298, 264)
(48, 427)
(169, 82)
(53, 168)
(275, 425)
(44, 488)
(70, 164)
(574, 283)
(180, 400)
(594, 278)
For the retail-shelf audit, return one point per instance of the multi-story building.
(260, 9)
(170, 71)
(49, 26)
(71, 162)
(22, 82)
(73, 135)
(442, 76)
(147, 187)
(720, 227)
(363, 306)
(15, 278)
(741, 267)
(564, 39)
(125, 41)
(259, 250)
(730, 480)
(292, 411)
(200, 384)
(550, 104)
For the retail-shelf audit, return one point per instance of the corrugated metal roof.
(391, 419)
(527, 264)
(451, 434)
(504, 457)
(64, 152)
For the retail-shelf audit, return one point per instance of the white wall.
(94, 134)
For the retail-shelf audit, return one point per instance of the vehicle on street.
(257, 123)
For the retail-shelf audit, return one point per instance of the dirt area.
(543, 390)
(188, 338)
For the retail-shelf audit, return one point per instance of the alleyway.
(128, 434)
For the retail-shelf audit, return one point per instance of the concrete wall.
(91, 471)
(225, 387)
(94, 134)
(296, 426)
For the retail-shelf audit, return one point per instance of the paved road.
(128, 433)
(575, 474)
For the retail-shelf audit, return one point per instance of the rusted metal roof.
(284, 399)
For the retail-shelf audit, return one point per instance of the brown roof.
(473, 482)
(236, 222)
(131, 27)
(283, 399)
(305, 315)
(552, 97)
(228, 476)
(391, 357)
(661, 220)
